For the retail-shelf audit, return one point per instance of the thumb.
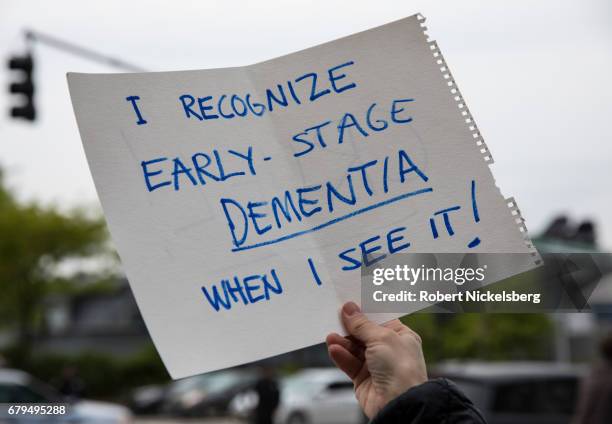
(358, 325)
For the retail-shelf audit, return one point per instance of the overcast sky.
(535, 74)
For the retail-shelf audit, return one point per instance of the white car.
(18, 387)
(318, 396)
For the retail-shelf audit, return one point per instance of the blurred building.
(577, 334)
(105, 322)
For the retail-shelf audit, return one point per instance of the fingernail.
(350, 308)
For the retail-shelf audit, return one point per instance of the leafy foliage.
(483, 336)
(33, 240)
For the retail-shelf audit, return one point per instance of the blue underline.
(335, 220)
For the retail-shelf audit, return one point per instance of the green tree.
(493, 336)
(33, 240)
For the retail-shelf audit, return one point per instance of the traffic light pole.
(23, 66)
(68, 47)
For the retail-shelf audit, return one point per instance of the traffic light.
(23, 87)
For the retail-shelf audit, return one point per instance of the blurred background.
(536, 77)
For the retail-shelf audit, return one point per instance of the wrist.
(406, 377)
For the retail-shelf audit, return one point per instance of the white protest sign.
(243, 201)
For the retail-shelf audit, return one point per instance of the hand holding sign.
(382, 361)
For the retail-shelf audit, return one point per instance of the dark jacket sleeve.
(436, 401)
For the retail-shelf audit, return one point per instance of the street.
(167, 420)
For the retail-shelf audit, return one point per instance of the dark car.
(206, 394)
(518, 392)
(147, 400)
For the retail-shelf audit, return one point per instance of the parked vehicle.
(147, 400)
(318, 396)
(20, 387)
(518, 392)
(206, 394)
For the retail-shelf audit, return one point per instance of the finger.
(358, 325)
(353, 346)
(354, 340)
(345, 360)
